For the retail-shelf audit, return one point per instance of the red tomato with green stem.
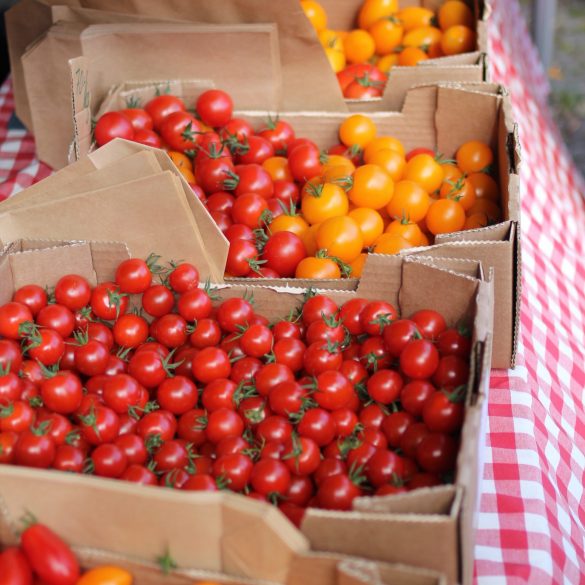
(112, 125)
(162, 106)
(283, 251)
(214, 107)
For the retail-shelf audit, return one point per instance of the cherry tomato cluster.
(387, 36)
(335, 403)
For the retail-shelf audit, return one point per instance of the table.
(532, 509)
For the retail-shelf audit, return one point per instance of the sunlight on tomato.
(357, 130)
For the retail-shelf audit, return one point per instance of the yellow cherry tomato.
(474, 157)
(387, 34)
(359, 46)
(357, 266)
(337, 168)
(312, 267)
(278, 169)
(476, 221)
(409, 231)
(107, 575)
(372, 187)
(455, 12)
(411, 56)
(188, 174)
(445, 216)
(391, 244)
(451, 172)
(491, 209)
(309, 238)
(410, 202)
(340, 237)
(391, 161)
(331, 39)
(387, 62)
(415, 17)
(426, 171)
(370, 223)
(427, 38)
(357, 130)
(374, 10)
(485, 186)
(458, 39)
(182, 161)
(289, 223)
(336, 59)
(382, 143)
(461, 190)
(315, 13)
(323, 201)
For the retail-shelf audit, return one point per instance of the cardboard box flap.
(358, 571)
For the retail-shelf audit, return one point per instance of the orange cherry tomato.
(181, 160)
(289, 223)
(476, 221)
(445, 216)
(331, 39)
(323, 201)
(309, 238)
(341, 238)
(455, 12)
(387, 62)
(426, 171)
(315, 13)
(485, 186)
(357, 266)
(427, 38)
(387, 34)
(411, 56)
(372, 11)
(458, 39)
(372, 187)
(359, 46)
(409, 231)
(383, 143)
(278, 169)
(188, 174)
(474, 157)
(357, 130)
(391, 161)
(337, 168)
(312, 267)
(461, 190)
(106, 575)
(391, 244)
(415, 17)
(491, 209)
(410, 202)
(451, 172)
(370, 223)
(336, 59)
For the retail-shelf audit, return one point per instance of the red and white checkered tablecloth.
(532, 508)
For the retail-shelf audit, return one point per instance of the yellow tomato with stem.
(451, 172)
(357, 266)
(358, 130)
(359, 46)
(391, 161)
(317, 267)
(427, 38)
(372, 11)
(341, 238)
(458, 39)
(391, 244)
(415, 17)
(485, 186)
(387, 62)
(323, 201)
(383, 143)
(426, 171)
(371, 187)
(315, 13)
(336, 168)
(474, 157)
(455, 12)
(387, 34)
(288, 223)
(409, 231)
(278, 169)
(106, 575)
(309, 238)
(445, 216)
(411, 56)
(410, 202)
(461, 191)
(336, 59)
(331, 39)
(370, 223)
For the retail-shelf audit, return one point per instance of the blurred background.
(558, 27)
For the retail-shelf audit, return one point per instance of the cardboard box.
(231, 534)
(279, 60)
(440, 117)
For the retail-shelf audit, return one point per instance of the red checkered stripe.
(19, 167)
(532, 510)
